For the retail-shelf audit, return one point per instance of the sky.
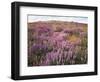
(79, 19)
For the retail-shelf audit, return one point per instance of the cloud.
(80, 19)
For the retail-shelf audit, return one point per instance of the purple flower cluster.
(47, 46)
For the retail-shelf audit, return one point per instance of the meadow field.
(56, 42)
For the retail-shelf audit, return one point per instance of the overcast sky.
(34, 18)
